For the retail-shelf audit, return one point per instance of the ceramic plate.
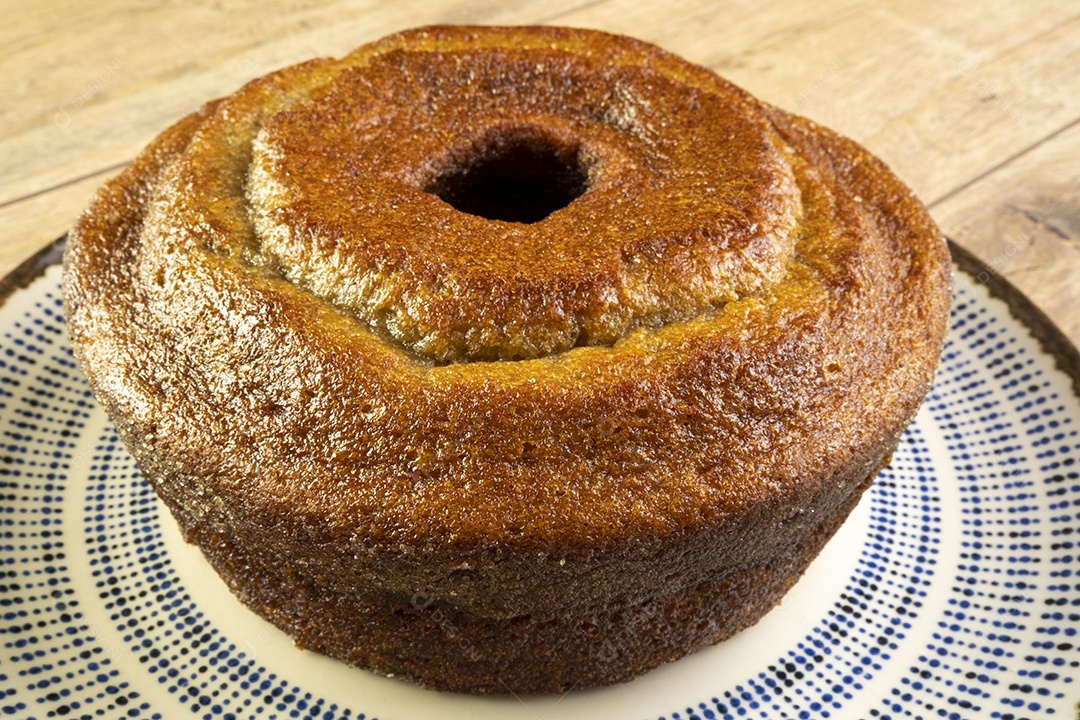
(952, 592)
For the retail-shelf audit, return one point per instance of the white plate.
(953, 591)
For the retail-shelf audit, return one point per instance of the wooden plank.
(986, 114)
(31, 224)
(1023, 221)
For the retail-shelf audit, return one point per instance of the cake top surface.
(478, 202)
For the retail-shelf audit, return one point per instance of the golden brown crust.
(329, 374)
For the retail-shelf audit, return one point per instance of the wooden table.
(975, 105)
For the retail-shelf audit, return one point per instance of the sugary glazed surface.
(683, 373)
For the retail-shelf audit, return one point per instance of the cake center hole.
(514, 177)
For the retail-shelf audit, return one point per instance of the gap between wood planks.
(930, 204)
(58, 186)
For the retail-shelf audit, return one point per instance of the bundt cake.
(506, 359)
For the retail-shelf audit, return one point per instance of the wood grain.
(976, 105)
(1025, 219)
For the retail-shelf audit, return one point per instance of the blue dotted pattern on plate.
(1004, 646)
(51, 665)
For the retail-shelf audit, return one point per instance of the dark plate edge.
(1050, 337)
(32, 268)
(1042, 328)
